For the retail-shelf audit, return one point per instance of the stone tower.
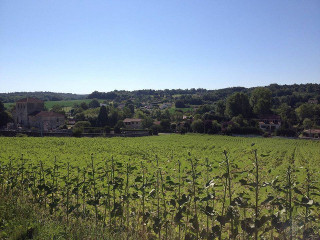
(24, 108)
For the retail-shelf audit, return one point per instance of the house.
(121, 106)
(311, 133)
(29, 113)
(157, 123)
(25, 107)
(133, 123)
(164, 106)
(313, 101)
(46, 120)
(269, 122)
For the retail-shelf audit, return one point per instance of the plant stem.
(229, 188)
(256, 209)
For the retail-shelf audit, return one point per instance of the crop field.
(171, 186)
(62, 103)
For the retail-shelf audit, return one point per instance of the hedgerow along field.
(171, 186)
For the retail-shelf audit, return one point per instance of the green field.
(64, 103)
(134, 188)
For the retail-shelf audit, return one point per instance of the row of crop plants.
(186, 199)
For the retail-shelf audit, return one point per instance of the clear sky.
(80, 46)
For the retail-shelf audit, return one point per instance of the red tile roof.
(313, 131)
(132, 120)
(30, 99)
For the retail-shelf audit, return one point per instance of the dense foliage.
(173, 186)
(235, 110)
(45, 96)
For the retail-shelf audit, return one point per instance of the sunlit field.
(171, 186)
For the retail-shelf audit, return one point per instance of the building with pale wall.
(29, 113)
(133, 123)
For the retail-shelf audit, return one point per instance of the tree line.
(230, 110)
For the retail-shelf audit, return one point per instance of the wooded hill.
(292, 95)
(289, 94)
(45, 96)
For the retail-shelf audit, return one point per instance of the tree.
(179, 104)
(78, 128)
(113, 118)
(261, 100)
(173, 127)
(84, 106)
(220, 108)
(165, 114)
(207, 125)
(307, 123)
(204, 109)
(126, 112)
(197, 126)
(4, 116)
(58, 109)
(82, 124)
(147, 122)
(155, 129)
(238, 103)
(94, 103)
(307, 110)
(119, 124)
(239, 120)
(165, 125)
(102, 117)
(177, 116)
(286, 112)
(131, 107)
(216, 127)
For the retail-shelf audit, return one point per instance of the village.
(127, 118)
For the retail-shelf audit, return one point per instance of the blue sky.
(80, 46)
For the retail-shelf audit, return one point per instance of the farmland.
(172, 186)
(62, 103)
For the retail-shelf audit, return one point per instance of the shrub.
(107, 129)
(197, 126)
(155, 129)
(21, 135)
(117, 129)
(76, 132)
(287, 132)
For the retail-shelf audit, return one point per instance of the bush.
(179, 104)
(216, 127)
(76, 132)
(266, 135)
(287, 132)
(107, 129)
(21, 135)
(155, 129)
(243, 130)
(117, 129)
(197, 126)
(82, 124)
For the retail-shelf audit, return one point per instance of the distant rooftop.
(132, 120)
(313, 131)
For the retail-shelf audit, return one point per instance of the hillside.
(287, 109)
(293, 95)
(46, 96)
